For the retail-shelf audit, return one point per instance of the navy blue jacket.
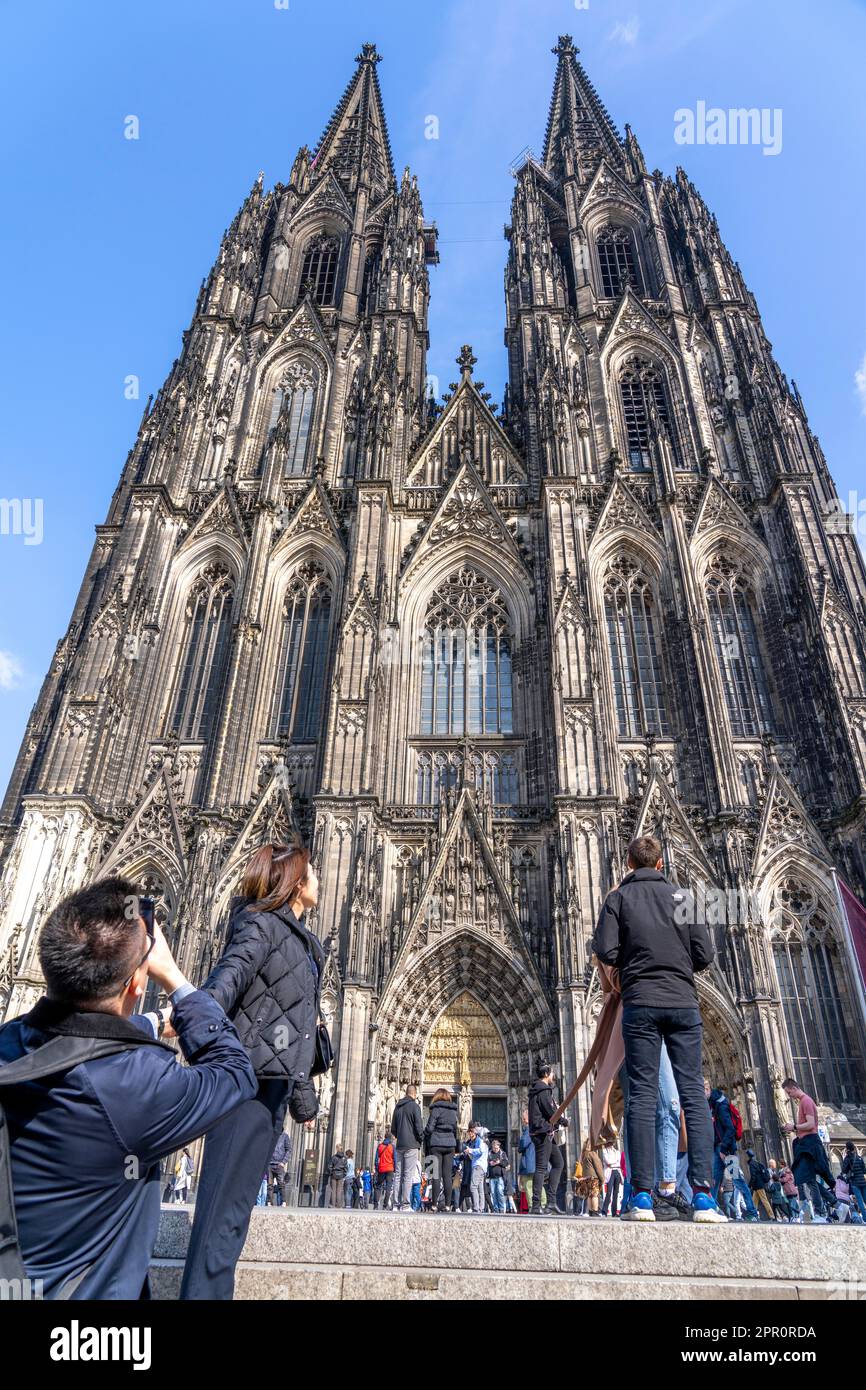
(86, 1149)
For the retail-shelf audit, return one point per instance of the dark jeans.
(384, 1190)
(643, 1030)
(810, 1163)
(236, 1153)
(548, 1170)
(611, 1197)
(443, 1167)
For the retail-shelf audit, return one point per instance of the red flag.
(855, 914)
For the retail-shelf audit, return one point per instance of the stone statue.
(464, 1110)
(376, 1104)
(780, 1100)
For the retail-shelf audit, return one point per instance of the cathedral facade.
(469, 651)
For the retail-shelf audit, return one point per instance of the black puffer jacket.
(440, 1132)
(268, 981)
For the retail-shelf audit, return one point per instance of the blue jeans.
(497, 1193)
(667, 1123)
(644, 1029)
(857, 1193)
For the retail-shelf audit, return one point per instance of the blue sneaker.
(706, 1211)
(641, 1208)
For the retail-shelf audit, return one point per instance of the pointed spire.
(355, 141)
(579, 128)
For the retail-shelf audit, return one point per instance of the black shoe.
(671, 1207)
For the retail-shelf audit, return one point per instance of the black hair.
(89, 946)
(542, 1068)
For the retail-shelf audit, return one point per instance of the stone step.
(300, 1254)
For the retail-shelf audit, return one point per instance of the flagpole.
(849, 947)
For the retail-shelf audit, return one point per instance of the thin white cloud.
(626, 32)
(860, 384)
(11, 671)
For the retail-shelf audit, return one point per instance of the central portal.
(465, 1053)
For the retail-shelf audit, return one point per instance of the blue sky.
(106, 240)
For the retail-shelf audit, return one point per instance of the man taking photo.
(84, 1142)
(640, 931)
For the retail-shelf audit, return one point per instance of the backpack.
(59, 1054)
(736, 1121)
(385, 1158)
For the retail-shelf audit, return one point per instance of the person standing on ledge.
(268, 981)
(647, 929)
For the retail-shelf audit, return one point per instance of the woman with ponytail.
(268, 981)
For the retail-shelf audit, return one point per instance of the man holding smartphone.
(84, 1142)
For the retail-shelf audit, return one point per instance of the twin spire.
(356, 146)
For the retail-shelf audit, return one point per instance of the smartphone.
(145, 912)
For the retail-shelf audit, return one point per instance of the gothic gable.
(152, 830)
(786, 826)
(466, 510)
(326, 197)
(622, 509)
(718, 508)
(606, 187)
(221, 516)
(465, 891)
(631, 319)
(660, 814)
(303, 329)
(314, 513)
(467, 428)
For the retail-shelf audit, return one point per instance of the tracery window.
(735, 636)
(319, 270)
(466, 685)
(630, 619)
(293, 414)
(617, 261)
(303, 655)
(826, 1052)
(441, 770)
(645, 406)
(206, 645)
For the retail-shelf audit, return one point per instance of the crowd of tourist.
(96, 1116)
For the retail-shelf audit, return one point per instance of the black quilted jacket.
(268, 981)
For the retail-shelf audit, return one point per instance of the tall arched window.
(617, 261)
(304, 655)
(207, 640)
(826, 1053)
(644, 406)
(735, 635)
(629, 612)
(466, 674)
(290, 429)
(319, 271)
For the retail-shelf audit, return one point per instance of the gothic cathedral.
(469, 651)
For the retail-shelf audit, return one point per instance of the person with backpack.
(92, 1098)
(759, 1183)
(337, 1170)
(440, 1144)
(854, 1173)
(649, 930)
(727, 1132)
(385, 1165)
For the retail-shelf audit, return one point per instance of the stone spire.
(355, 141)
(579, 129)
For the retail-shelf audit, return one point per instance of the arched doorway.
(465, 1052)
